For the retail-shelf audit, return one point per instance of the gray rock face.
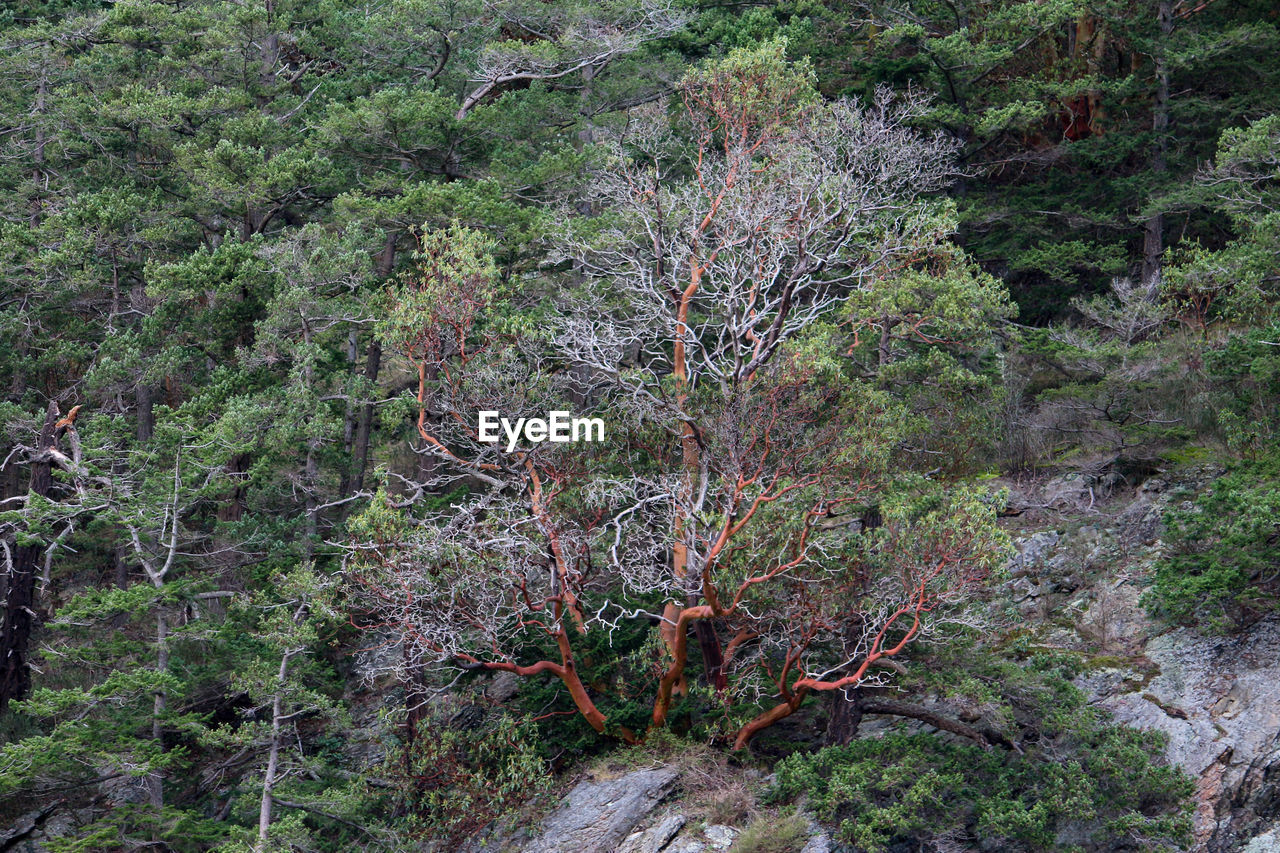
(502, 687)
(720, 837)
(1268, 842)
(1218, 700)
(597, 816)
(819, 841)
(1031, 551)
(1072, 490)
(656, 837)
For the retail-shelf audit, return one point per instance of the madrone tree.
(702, 318)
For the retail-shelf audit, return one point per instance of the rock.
(1022, 589)
(1065, 584)
(1143, 520)
(721, 837)
(376, 662)
(656, 837)
(503, 687)
(1070, 491)
(1115, 620)
(713, 838)
(1268, 842)
(125, 790)
(25, 826)
(597, 816)
(1218, 701)
(1031, 551)
(819, 840)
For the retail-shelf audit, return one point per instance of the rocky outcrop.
(1218, 701)
(1268, 842)
(597, 816)
(656, 837)
(713, 838)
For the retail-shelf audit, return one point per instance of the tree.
(280, 683)
(124, 722)
(711, 286)
(22, 559)
(1236, 281)
(1083, 123)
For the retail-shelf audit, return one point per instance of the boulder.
(1031, 551)
(819, 839)
(1070, 491)
(720, 837)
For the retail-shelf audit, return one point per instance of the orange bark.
(679, 657)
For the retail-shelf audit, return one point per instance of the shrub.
(916, 788)
(1066, 776)
(455, 780)
(1222, 572)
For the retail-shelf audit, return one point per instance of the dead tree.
(22, 562)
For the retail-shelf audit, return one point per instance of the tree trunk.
(37, 155)
(273, 757)
(364, 426)
(1153, 237)
(845, 717)
(415, 702)
(155, 781)
(232, 508)
(712, 654)
(925, 715)
(884, 351)
(778, 712)
(373, 363)
(349, 415)
(144, 399)
(19, 617)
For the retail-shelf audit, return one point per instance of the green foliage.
(619, 667)
(450, 285)
(215, 215)
(1235, 282)
(1222, 572)
(455, 778)
(753, 90)
(1057, 773)
(1087, 780)
(181, 831)
(1245, 374)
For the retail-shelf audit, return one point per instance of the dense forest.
(809, 322)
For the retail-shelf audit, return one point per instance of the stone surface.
(713, 838)
(1031, 551)
(656, 837)
(719, 836)
(502, 687)
(1268, 842)
(597, 816)
(1218, 701)
(819, 840)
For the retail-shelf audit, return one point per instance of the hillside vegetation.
(863, 297)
